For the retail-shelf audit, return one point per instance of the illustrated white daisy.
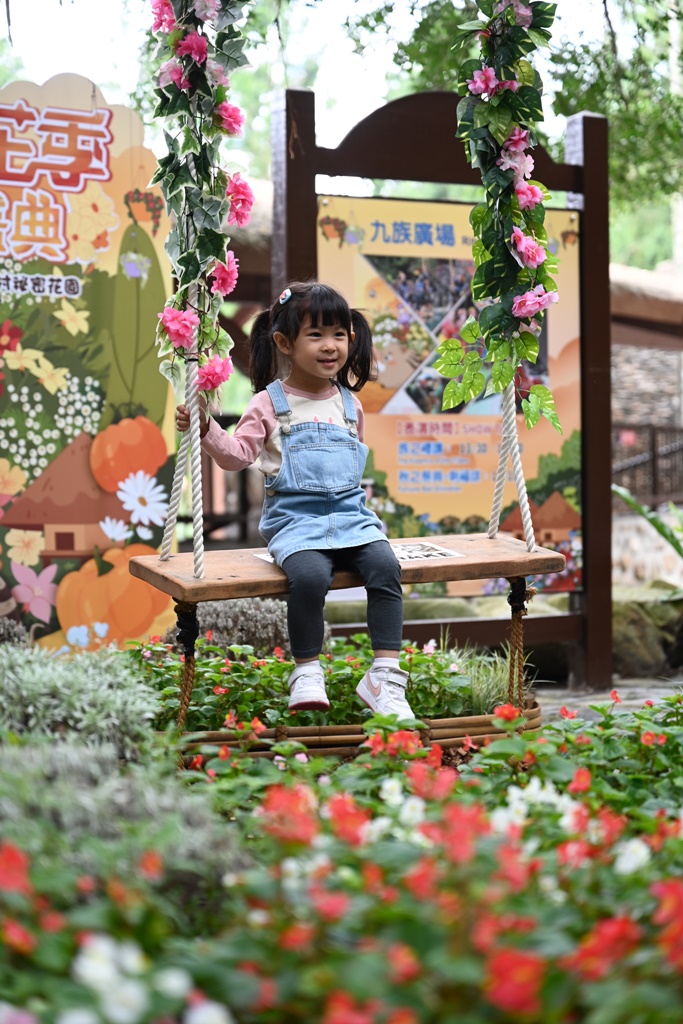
(144, 533)
(115, 529)
(144, 498)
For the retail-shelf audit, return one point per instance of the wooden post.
(586, 145)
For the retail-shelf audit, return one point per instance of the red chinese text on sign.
(68, 147)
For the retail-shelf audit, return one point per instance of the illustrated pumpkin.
(124, 448)
(128, 605)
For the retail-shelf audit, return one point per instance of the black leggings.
(310, 576)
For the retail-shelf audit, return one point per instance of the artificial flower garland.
(502, 101)
(198, 47)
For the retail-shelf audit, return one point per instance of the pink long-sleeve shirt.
(256, 437)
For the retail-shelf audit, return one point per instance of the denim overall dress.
(315, 501)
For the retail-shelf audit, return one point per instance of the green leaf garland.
(198, 46)
(501, 102)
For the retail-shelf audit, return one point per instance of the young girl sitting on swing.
(307, 434)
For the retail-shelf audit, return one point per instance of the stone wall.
(646, 386)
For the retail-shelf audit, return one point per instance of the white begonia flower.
(632, 855)
(373, 830)
(131, 958)
(115, 529)
(144, 498)
(391, 791)
(95, 966)
(549, 887)
(258, 918)
(568, 818)
(503, 818)
(78, 1015)
(208, 1013)
(173, 982)
(125, 1002)
(413, 811)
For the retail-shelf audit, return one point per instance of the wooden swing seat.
(243, 572)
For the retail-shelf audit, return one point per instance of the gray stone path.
(632, 692)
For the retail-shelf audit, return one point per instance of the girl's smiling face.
(318, 353)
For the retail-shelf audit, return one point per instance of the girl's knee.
(383, 569)
(308, 577)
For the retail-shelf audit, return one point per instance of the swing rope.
(519, 593)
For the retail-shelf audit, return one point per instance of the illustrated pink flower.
(171, 71)
(206, 10)
(231, 118)
(164, 18)
(517, 140)
(224, 275)
(216, 73)
(35, 591)
(241, 200)
(531, 252)
(194, 46)
(528, 195)
(180, 325)
(533, 302)
(484, 81)
(10, 336)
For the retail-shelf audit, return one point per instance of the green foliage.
(441, 683)
(673, 535)
(11, 65)
(497, 124)
(196, 188)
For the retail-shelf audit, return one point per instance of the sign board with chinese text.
(408, 264)
(86, 438)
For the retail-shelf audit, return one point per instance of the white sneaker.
(383, 689)
(307, 688)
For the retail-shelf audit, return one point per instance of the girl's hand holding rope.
(182, 420)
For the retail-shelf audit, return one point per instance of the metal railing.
(648, 461)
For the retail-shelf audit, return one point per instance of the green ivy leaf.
(539, 36)
(454, 395)
(479, 215)
(526, 104)
(170, 370)
(502, 374)
(532, 413)
(470, 331)
(543, 15)
(527, 346)
(500, 121)
(525, 73)
(189, 142)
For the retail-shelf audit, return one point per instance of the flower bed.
(540, 883)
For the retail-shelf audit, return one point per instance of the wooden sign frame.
(377, 148)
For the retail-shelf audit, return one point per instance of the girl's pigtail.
(361, 363)
(262, 353)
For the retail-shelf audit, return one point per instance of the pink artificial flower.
(241, 200)
(484, 81)
(528, 195)
(524, 15)
(35, 592)
(216, 73)
(532, 302)
(518, 140)
(194, 46)
(531, 252)
(520, 163)
(180, 325)
(164, 18)
(225, 275)
(172, 71)
(206, 10)
(214, 373)
(231, 118)
(512, 84)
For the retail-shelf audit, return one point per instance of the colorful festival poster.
(408, 265)
(86, 420)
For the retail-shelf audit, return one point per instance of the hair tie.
(287, 294)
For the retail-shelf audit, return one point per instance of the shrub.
(12, 632)
(100, 695)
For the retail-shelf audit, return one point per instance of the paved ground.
(632, 692)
